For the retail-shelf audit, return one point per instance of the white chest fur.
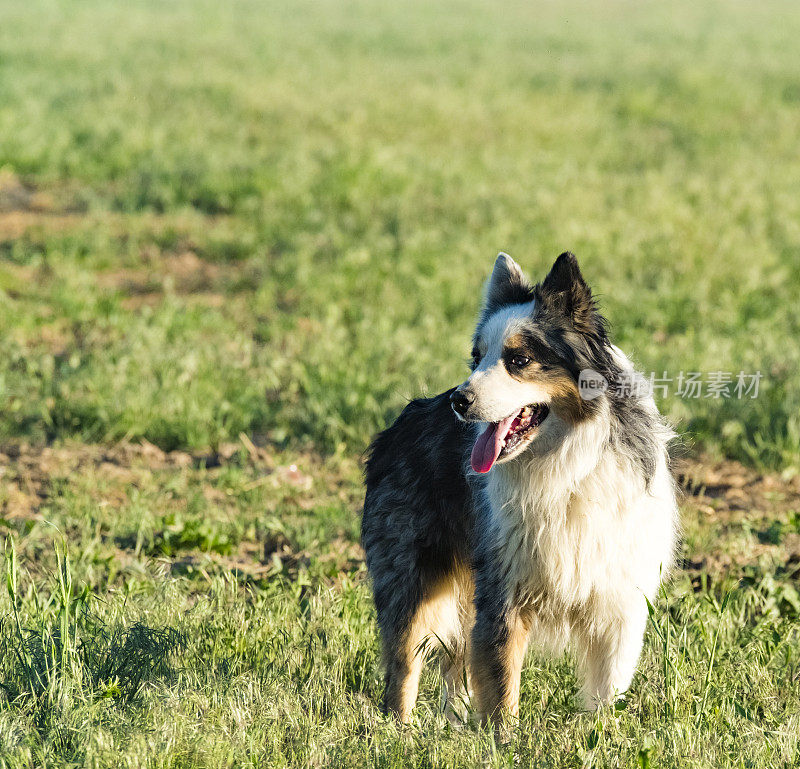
(576, 531)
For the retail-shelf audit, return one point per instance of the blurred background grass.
(277, 218)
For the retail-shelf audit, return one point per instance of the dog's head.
(530, 345)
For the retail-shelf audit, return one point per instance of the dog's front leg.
(499, 642)
(608, 657)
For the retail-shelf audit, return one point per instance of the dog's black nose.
(461, 401)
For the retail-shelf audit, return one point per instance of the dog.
(516, 506)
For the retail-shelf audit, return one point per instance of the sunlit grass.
(288, 675)
(247, 232)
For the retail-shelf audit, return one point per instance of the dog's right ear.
(507, 284)
(565, 293)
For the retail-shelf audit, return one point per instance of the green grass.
(352, 169)
(275, 220)
(205, 653)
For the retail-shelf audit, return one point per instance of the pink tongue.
(487, 447)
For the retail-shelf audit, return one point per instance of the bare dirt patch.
(727, 490)
(749, 518)
(16, 224)
(183, 273)
(15, 196)
(31, 479)
(24, 208)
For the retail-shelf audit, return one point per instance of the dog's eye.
(520, 361)
(476, 356)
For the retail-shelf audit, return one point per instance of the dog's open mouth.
(501, 439)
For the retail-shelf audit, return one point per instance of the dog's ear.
(566, 292)
(507, 284)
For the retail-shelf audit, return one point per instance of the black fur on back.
(418, 503)
(426, 441)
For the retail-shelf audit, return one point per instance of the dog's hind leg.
(403, 658)
(456, 690)
(433, 622)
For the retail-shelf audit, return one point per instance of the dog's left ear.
(507, 284)
(565, 291)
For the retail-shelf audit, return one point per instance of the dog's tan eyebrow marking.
(515, 343)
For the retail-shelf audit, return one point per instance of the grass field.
(236, 237)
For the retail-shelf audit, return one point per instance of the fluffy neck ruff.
(548, 480)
